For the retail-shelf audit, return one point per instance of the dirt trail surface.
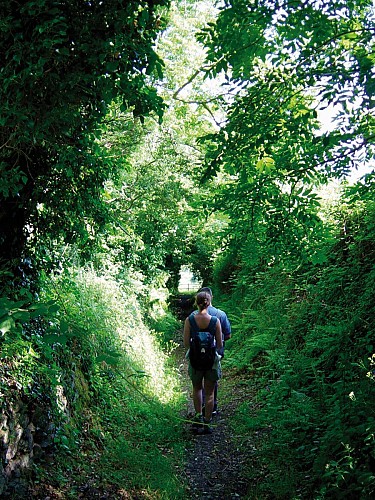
(216, 462)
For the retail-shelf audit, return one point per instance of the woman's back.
(202, 320)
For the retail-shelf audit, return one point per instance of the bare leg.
(197, 397)
(215, 396)
(209, 390)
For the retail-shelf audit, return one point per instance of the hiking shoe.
(197, 422)
(207, 429)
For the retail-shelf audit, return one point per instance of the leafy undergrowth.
(128, 449)
(122, 436)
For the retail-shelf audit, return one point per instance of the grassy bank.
(118, 433)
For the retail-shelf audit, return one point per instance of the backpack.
(202, 352)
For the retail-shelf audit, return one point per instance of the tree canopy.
(285, 63)
(138, 137)
(62, 65)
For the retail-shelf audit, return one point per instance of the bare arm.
(218, 336)
(187, 333)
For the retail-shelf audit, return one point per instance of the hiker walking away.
(200, 370)
(226, 332)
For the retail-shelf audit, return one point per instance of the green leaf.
(22, 316)
(265, 164)
(53, 338)
(7, 325)
(64, 326)
(54, 308)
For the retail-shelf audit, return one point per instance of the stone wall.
(17, 448)
(28, 426)
(26, 433)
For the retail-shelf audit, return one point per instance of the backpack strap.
(193, 323)
(213, 322)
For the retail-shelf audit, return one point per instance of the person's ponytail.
(203, 300)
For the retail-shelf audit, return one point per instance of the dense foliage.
(298, 273)
(292, 61)
(306, 337)
(136, 140)
(110, 386)
(62, 64)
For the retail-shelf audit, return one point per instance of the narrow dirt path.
(216, 462)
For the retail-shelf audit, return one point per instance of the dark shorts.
(197, 375)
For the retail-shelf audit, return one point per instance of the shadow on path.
(216, 463)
